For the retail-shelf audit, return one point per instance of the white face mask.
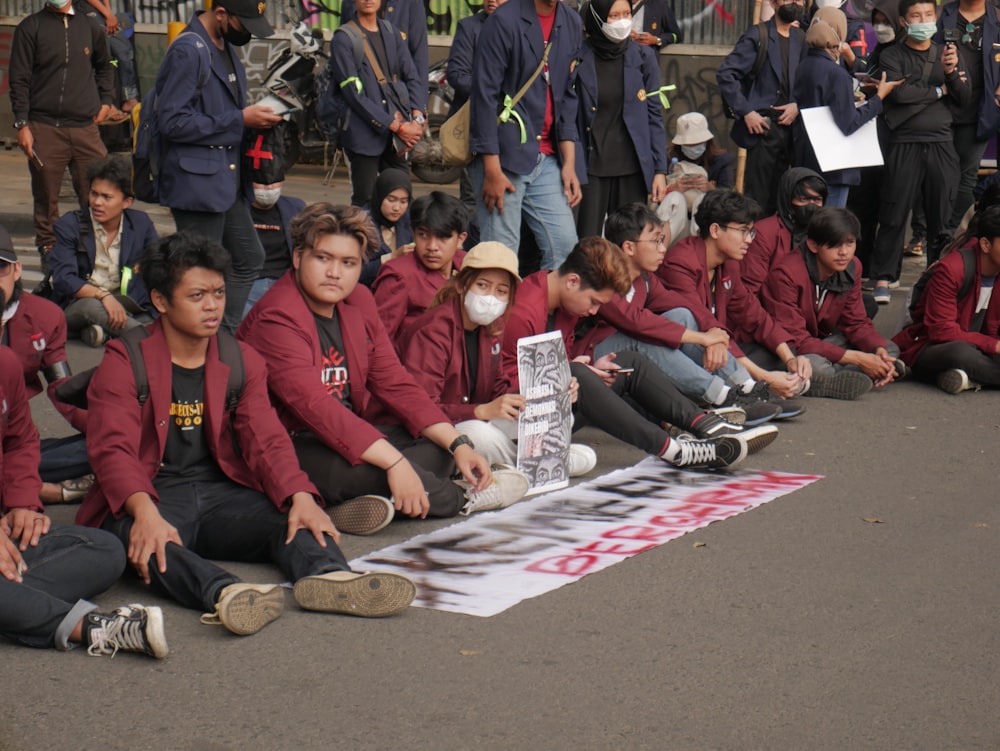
(884, 33)
(617, 31)
(829, 3)
(483, 309)
(695, 151)
(266, 197)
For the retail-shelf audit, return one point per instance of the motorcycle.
(426, 161)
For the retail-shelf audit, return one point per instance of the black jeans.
(937, 358)
(602, 195)
(338, 480)
(766, 163)
(365, 170)
(621, 409)
(228, 522)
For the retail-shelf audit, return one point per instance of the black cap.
(251, 15)
(7, 247)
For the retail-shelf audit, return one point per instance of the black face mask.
(802, 214)
(790, 12)
(236, 37)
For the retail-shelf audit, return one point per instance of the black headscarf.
(786, 189)
(603, 47)
(388, 180)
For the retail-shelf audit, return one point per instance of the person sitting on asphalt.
(656, 322)
(405, 287)
(47, 573)
(814, 294)
(706, 271)
(94, 260)
(955, 338)
(365, 432)
(35, 329)
(193, 473)
(453, 350)
(592, 274)
(390, 210)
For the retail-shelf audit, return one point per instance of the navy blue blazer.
(643, 114)
(989, 113)
(367, 132)
(70, 269)
(463, 48)
(510, 49)
(764, 90)
(202, 133)
(823, 82)
(659, 20)
(409, 18)
(288, 209)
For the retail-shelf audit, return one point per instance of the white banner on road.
(492, 561)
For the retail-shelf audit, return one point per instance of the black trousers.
(365, 171)
(338, 480)
(930, 167)
(766, 162)
(602, 195)
(621, 409)
(937, 358)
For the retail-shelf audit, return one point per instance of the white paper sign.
(836, 151)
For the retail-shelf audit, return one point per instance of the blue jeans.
(837, 195)
(538, 197)
(229, 522)
(256, 292)
(64, 458)
(683, 366)
(68, 565)
(233, 229)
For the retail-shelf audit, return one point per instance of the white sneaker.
(581, 459)
(955, 381)
(368, 595)
(508, 487)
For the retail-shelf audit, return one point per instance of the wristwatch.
(462, 440)
(18, 124)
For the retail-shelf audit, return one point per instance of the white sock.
(725, 395)
(671, 451)
(748, 385)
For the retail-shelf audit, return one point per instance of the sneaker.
(845, 384)
(130, 628)
(759, 437)
(508, 487)
(761, 394)
(882, 295)
(902, 369)
(730, 413)
(955, 381)
(364, 515)
(581, 460)
(915, 247)
(92, 335)
(711, 453)
(246, 608)
(369, 595)
(710, 425)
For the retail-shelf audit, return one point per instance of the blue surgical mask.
(921, 32)
(59, 4)
(695, 151)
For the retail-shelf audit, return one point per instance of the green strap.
(662, 93)
(126, 279)
(353, 79)
(508, 112)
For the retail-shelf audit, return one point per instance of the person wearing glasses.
(706, 270)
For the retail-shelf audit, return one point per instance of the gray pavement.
(798, 625)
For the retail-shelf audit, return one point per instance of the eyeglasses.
(6, 268)
(970, 28)
(658, 240)
(748, 234)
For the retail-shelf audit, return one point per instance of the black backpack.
(73, 390)
(333, 113)
(968, 274)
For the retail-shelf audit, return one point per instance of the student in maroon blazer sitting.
(185, 477)
(706, 270)
(955, 339)
(336, 382)
(405, 287)
(814, 293)
(453, 350)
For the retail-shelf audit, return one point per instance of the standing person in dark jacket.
(822, 81)
(61, 86)
(976, 25)
(766, 109)
(409, 19)
(620, 119)
(654, 24)
(922, 154)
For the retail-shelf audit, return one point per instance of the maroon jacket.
(19, 453)
(640, 318)
(433, 351)
(945, 318)
(790, 297)
(37, 334)
(530, 316)
(126, 443)
(772, 243)
(732, 307)
(404, 289)
(282, 328)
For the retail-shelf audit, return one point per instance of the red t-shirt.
(546, 146)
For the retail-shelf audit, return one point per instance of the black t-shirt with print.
(186, 458)
(335, 373)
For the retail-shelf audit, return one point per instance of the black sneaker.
(130, 628)
(955, 381)
(92, 335)
(846, 384)
(781, 409)
(712, 453)
(710, 425)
